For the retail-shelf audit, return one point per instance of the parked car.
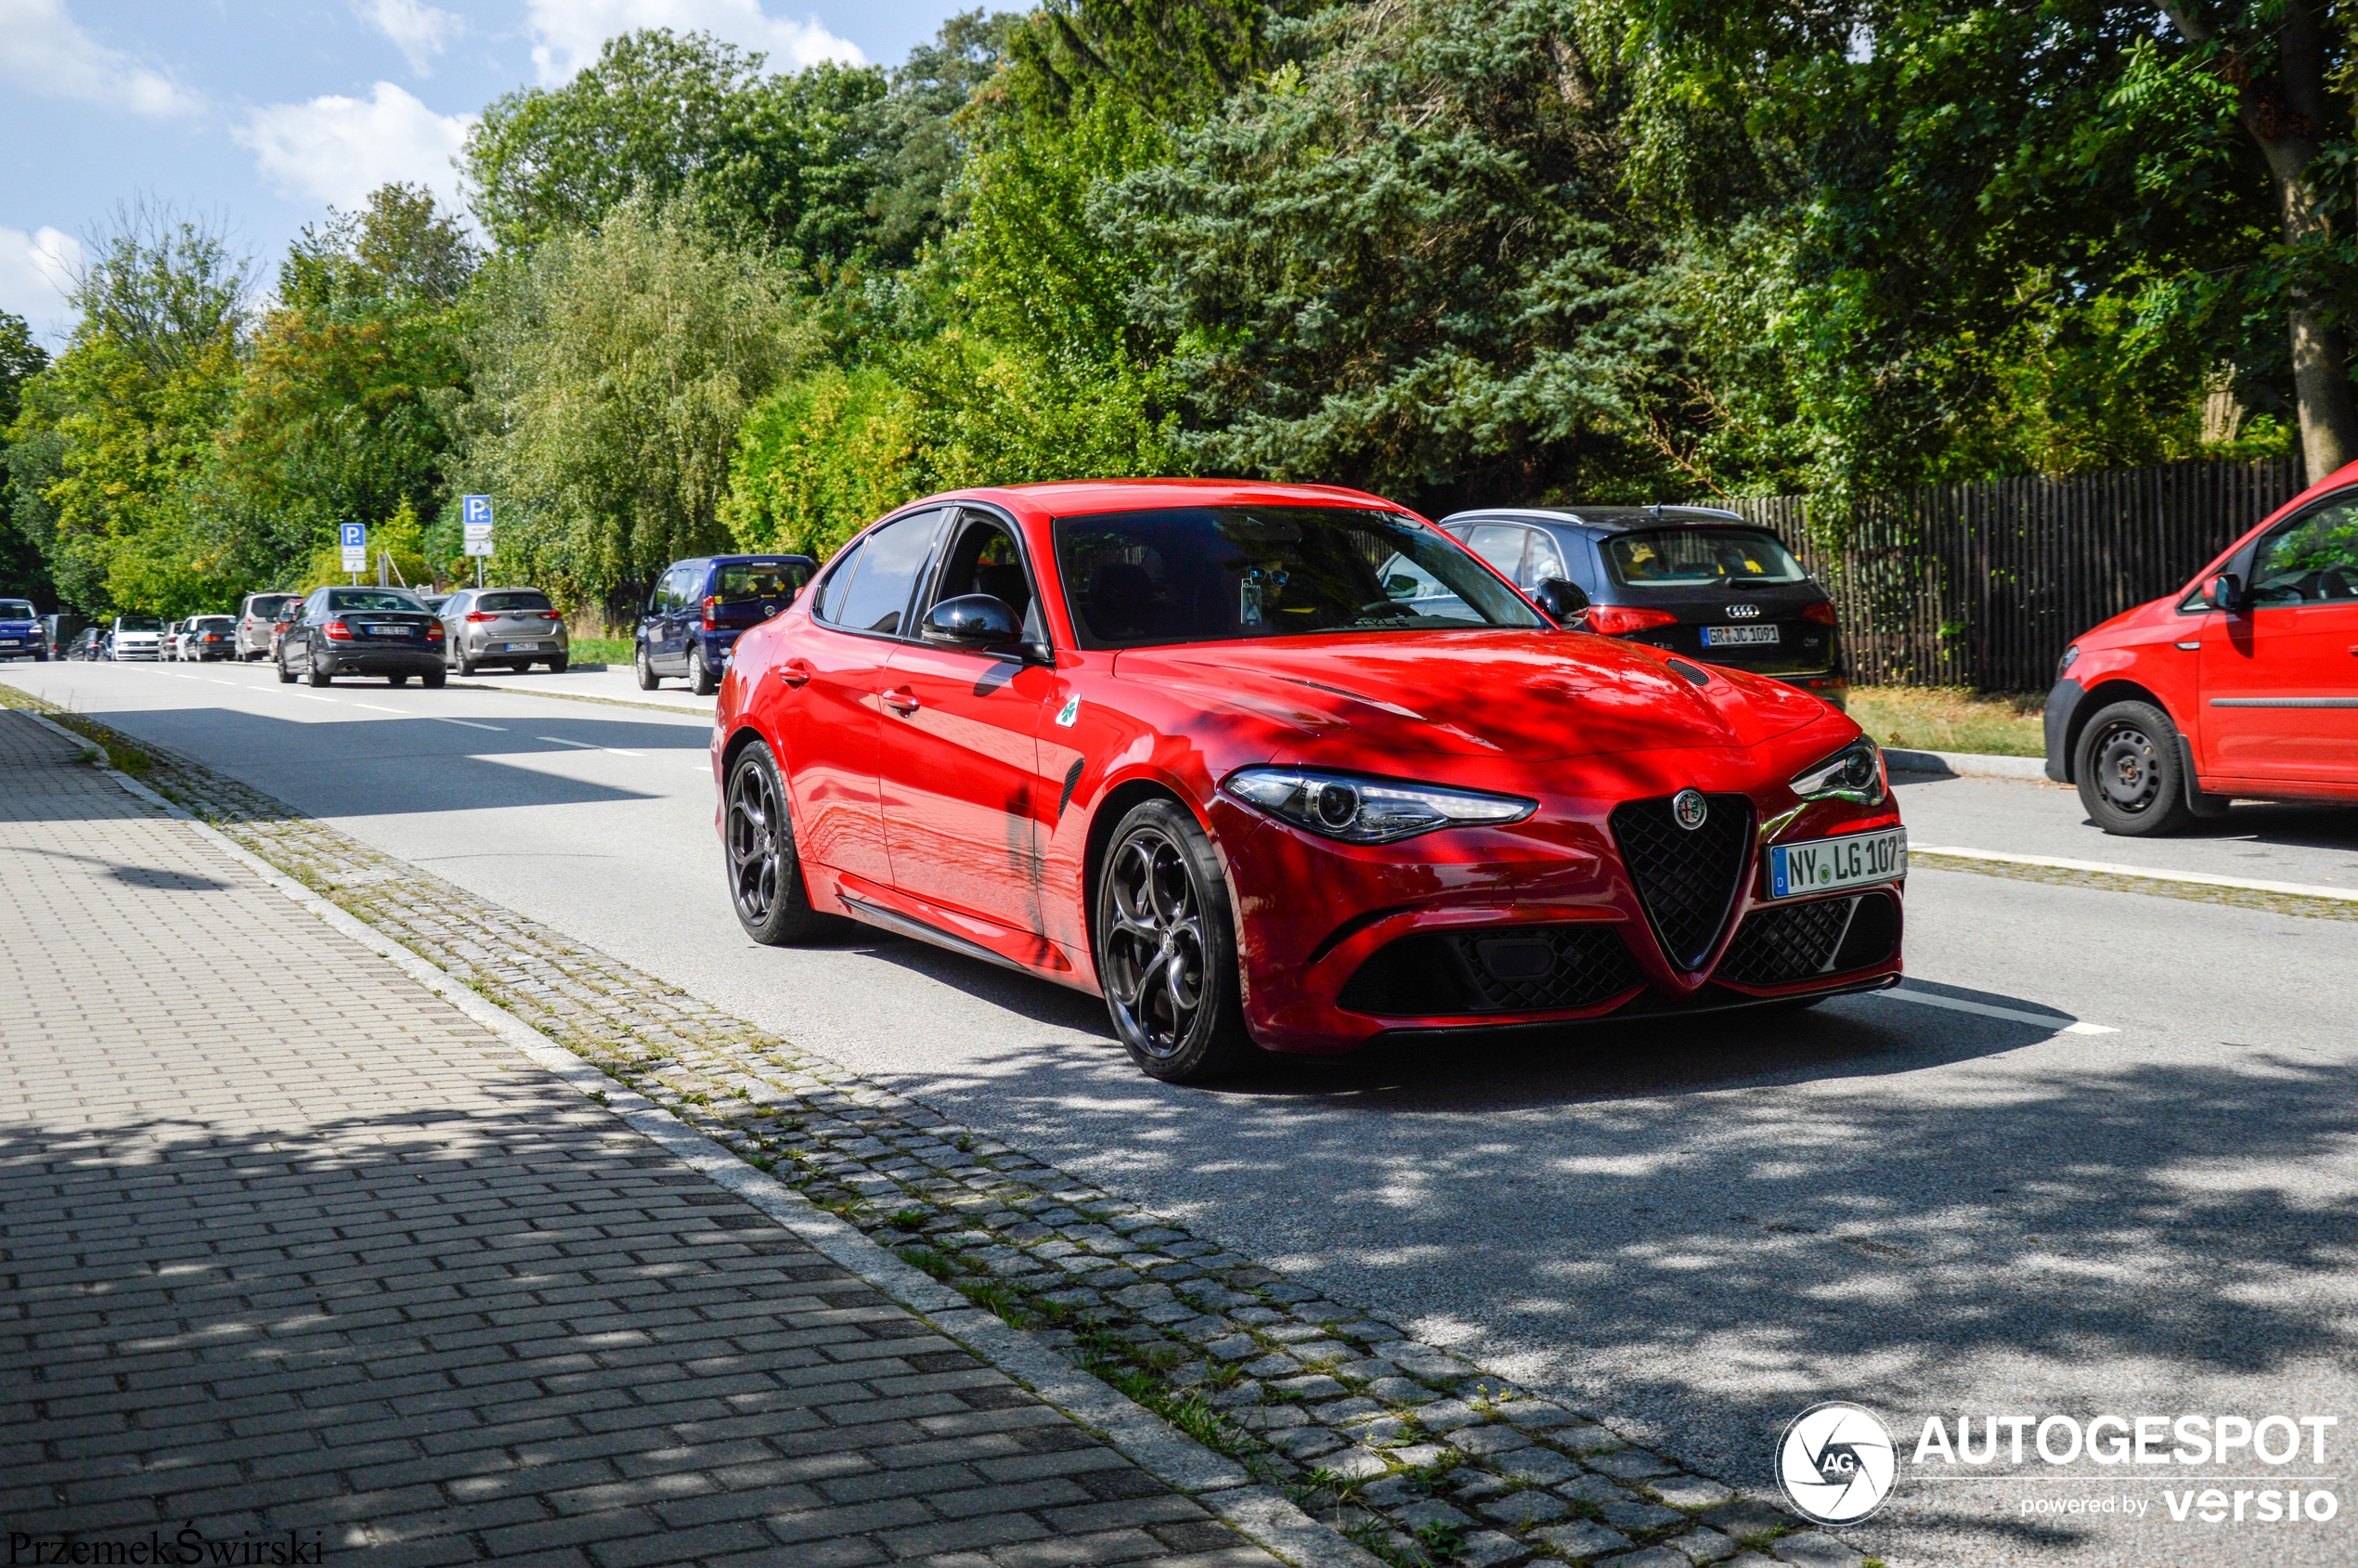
(516, 628)
(1694, 580)
(362, 631)
(700, 608)
(2244, 683)
(60, 632)
(286, 615)
(434, 602)
(91, 645)
(21, 635)
(209, 637)
(255, 620)
(1286, 766)
(135, 637)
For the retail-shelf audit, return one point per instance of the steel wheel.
(756, 857)
(2127, 769)
(2131, 771)
(1155, 957)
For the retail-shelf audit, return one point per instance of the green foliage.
(611, 371)
(24, 519)
(820, 459)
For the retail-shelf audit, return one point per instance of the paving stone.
(1631, 1464)
(1483, 1442)
(1701, 1547)
(1814, 1548)
(1367, 1368)
(1587, 1438)
(1431, 1510)
(1446, 1415)
(1234, 1347)
(1424, 1361)
(1541, 1467)
(1314, 1387)
(1688, 1491)
(1536, 1414)
(1418, 1456)
(1584, 1537)
(1274, 1366)
(1354, 1464)
(1634, 1515)
(1523, 1510)
(1747, 1516)
(1490, 1548)
(1595, 1489)
(1645, 1557)
(1146, 1295)
(1305, 1443)
(1258, 1317)
(1401, 1390)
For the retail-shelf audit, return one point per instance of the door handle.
(902, 701)
(795, 672)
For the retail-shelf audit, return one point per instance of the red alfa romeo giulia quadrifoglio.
(1286, 766)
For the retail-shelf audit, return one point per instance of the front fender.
(2062, 701)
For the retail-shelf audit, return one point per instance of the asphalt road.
(1696, 1229)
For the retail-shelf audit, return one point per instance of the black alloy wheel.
(285, 676)
(314, 673)
(1167, 949)
(646, 666)
(765, 874)
(2130, 773)
(700, 676)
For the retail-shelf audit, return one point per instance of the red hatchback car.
(2243, 683)
(1286, 766)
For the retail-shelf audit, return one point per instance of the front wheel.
(2131, 772)
(765, 873)
(1167, 949)
(700, 676)
(646, 667)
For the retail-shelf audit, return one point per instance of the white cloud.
(35, 271)
(419, 31)
(43, 50)
(339, 150)
(566, 33)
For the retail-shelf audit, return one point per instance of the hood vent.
(1686, 878)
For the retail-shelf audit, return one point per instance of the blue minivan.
(699, 607)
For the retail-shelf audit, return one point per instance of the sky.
(262, 113)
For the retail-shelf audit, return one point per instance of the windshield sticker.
(1066, 714)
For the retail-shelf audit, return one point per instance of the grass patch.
(600, 650)
(1951, 718)
(909, 1219)
(922, 1257)
(996, 1297)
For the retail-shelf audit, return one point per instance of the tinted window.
(342, 598)
(985, 561)
(138, 623)
(213, 623)
(1544, 562)
(1225, 573)
(886, 575)
(1700, 558)
(2313, 562)
(16, 610)
(522, 599)
(1502, 547)
(838, 579)
(267, 605)
(749, 582)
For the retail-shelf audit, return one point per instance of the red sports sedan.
(1286, 766)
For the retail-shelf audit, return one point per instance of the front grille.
(1499, 969)
(1779, 946)
(1687, 878)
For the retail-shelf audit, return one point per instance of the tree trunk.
(2283, 109)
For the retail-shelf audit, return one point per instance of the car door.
(2280, 673)
(957, 755)
(824, 701)
(453, 615)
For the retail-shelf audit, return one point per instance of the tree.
(611, 373)
(24, 518)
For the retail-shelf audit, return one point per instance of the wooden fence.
(1982, 585)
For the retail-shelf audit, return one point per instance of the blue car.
(699, 608)
(21, 635)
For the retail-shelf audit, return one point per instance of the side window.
(2310, 561)
(838, 579)
(1544, 560)
(876, 599)
(1501, 544)
(985, 561)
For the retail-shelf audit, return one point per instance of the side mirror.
(2225, 591)
(1565, 603)
(972, 620)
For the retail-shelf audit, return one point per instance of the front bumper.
(137, 651)
(1537, 924)
(2062, 701)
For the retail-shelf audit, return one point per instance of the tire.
(1163, 931)
(466, 667)
(431, 680)
(648, 679)
(700, 677)
(316, 676)
(397, 680)
(285, 676)
(2132, 778)
(758, 852)
(557, 667)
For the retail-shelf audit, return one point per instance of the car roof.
(1611, 519)
(1072, 497)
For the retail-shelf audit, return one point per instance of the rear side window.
(830, 605)
(1700, 558)
(519, 600)
(884, 577)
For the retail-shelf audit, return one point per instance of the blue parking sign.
(354, 536)
(475, 509)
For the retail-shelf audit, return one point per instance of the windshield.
(15, 609)
(1700, 558)
(746, 584)
(1202, 574)
(371, 599)
(138, 623)
(522, 599)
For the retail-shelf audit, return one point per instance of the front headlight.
(1853, 773)
(1359, 811)
(2069, 654)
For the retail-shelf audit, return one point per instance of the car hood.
(1528, 696)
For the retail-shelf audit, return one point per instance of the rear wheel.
(646, 666)
(2131, 777)
(466, 666)
(397, 680)
(315, 675)
(765, 873)
(557, 665)
(700, 675)
(431, 680)
(285, 676)
(1167, 949)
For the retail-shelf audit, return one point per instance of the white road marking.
(217, 680)
(468, 722)
(585, 746)
(372, 707)
(2012, 1014)
(2115, 868)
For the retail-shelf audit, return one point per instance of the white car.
(136, 637)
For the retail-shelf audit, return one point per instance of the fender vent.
(1687, 878)
(1498, 969)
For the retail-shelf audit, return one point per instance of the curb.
(1259, 1512)
(1964, 764)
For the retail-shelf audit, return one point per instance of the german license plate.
(388, 630)
(1739, 636)
(523, 647)
(11, 642)
(1823, 865)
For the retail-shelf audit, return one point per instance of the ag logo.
(1836, 1463)
(1687, 808)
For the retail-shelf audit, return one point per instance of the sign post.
(353, 539)
(475, 517)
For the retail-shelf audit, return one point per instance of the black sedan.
(362, 631)
(1695, 580)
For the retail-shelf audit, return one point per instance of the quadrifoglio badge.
(1837, 1463)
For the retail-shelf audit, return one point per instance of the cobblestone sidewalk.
(1413, 1453)
(293, 1255)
